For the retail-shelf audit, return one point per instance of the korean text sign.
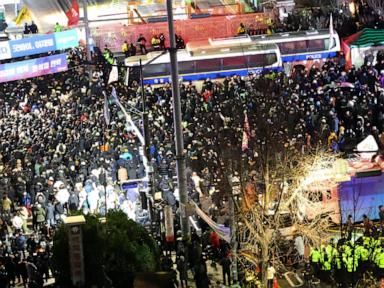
(33, 68)
(38, 44)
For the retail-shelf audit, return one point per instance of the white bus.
(299, 47)
(214, 58)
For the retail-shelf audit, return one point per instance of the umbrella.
(126, 156)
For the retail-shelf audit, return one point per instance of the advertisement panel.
(32, 46)
(66, 39)
(38, 44)
(33, 68)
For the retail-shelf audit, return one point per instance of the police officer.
(326, 267)
(379, 261)
(315, 256)
(338, 266)
(364, 258)
(351, 265)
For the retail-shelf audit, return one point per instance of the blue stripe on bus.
(309, 56)
(211, 75)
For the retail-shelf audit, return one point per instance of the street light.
(177, 119)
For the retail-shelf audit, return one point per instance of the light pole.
(233, 226)
(147, 139)
(180, 157)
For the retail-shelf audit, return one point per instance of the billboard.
(33, 68)
(38, 44)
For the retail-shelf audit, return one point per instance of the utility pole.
(86, 27)
(145, 114)
(180, 158)
(146, 151)
(233, 226)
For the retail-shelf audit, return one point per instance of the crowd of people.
(57, 157)
(309, 107)
(30, 28)
(157, 44)
(58, 154)
(347, 261)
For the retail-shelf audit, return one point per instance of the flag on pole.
(222, 231)
(114, 96)
(73, 13)
(244, 142)
(126, 82)
(246, 133)
(114, 75)
(22, 16)
(331, 32)
(247, 128)
(107, 114)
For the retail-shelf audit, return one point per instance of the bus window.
(261, 60)
(326, 43)
(286, 48)
(187, 67)
(300, 46)
(234, 62)
(156, 69)
(315, 45)
(271, 58)
(208, 65)
(255, 60)
(293, 47)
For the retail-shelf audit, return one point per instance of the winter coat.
(40, 215)
(50, 211)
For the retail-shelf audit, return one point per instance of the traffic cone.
(275, 283)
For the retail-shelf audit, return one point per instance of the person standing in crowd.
(141, 41)
(270, 274)
(39, 213)
(182, 267)
(33, 28)
(6, 205)
(125, 49)
(367, 225)
(57, 27)
(226, 265)
(350, 227)
(241, 29)
(132, 50)
(180, 43)
(155, 41)
(27, 29)
(4, 279)
(162, 41)
(315, 257)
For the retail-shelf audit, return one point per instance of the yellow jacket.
(124, 47)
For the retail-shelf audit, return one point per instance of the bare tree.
(263, 231)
